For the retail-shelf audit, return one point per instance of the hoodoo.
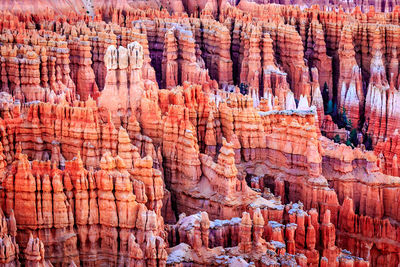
(199, 133)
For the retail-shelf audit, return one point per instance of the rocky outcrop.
(350, 94)
(169, 62)
(189, 133)
(317, 57)
(10, 248)
(214, 44)
(387, 153)
(82, 73)
(248, 236)
(124, 85)
(101, 205)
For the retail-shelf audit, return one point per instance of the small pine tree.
(344, 117)
(343, 121)
(368, 142)
(348, 143)
(335, 111)
(350, 124)
(336, 139)
(353, 137)
(325, 97)
(329, 108)
(243, 88)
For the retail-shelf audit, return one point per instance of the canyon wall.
(199, 133)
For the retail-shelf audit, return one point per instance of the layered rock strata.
(144, 133)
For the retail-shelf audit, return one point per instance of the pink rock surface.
(174, 133)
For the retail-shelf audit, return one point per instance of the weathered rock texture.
(198, 133)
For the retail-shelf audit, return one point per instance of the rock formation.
(207, 133)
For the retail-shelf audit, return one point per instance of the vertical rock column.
(380, 99)
(349, 94)
(85, 79)
(136, 86)
(30, 78)
(169, 61)
(328, 237)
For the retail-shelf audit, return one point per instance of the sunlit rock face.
(199, 133)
